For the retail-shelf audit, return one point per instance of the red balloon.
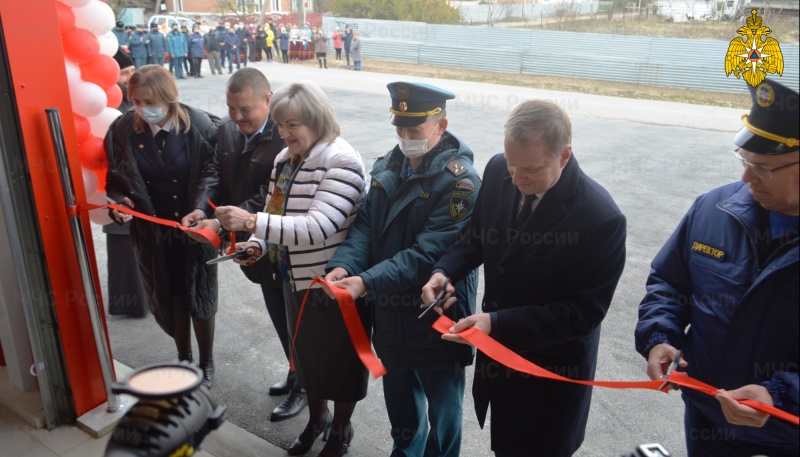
(92, 153)
(66, 17)
(101, 178)
(114, 96)
(101, 70)
(82, 128)
(80, 45)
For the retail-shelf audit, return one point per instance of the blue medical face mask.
(151, 114)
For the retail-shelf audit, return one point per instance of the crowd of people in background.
(184, 46)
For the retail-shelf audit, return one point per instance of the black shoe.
(281, 388)
(292, 406)
(305, 441)
(207, 367)
(338, 443)
(186, 357)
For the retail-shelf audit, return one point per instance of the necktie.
(161, 138)
(525, 211)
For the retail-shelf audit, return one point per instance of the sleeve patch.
(460, 202)
(466, 184)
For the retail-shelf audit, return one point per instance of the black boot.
(186, 357)
(207, 366)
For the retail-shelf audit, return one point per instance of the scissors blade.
(672, 367)
(430, 307)
(239, 254)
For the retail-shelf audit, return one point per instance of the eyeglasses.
(758, 170)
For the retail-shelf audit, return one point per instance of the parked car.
(170, 21)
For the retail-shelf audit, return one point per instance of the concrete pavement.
(653, 157)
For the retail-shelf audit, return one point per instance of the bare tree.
(566, 11)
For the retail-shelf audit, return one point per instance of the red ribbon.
(208, 234)
(354, 326)
(232, 247)
(509, 358)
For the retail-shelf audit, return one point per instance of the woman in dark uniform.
(156, 155)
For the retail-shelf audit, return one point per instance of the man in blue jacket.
(158, 46)
(232, 43)
(730, 273)
(178, 50)
(421, 196)
(122, 35)
(139, 44)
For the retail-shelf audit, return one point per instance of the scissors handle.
(437, 303)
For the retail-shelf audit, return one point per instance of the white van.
(170, 21)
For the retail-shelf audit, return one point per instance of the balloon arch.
(92, 74)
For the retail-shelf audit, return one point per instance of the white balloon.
(99, 124)
(89, 183)
(108, 44)
(88, 99)
(99, 216)
(76, 3)
(73, 72)
(96, 17)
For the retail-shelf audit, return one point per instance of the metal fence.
(651, 61)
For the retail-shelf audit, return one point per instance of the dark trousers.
(196, 63)
(234, 54)
(416, 398)
(223, 52)
(276, 308)
(285, 54)
(126, 295)
(705, 439)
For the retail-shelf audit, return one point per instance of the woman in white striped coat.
(314, 194)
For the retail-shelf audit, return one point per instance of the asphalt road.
(653, 157)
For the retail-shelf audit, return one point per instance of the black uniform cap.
(773, 125)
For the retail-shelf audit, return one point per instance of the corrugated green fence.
(651, 61)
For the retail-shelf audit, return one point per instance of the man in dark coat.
(552, 243)
(420, 198)
(247, 144)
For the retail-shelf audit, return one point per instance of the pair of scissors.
(672, 367)
(440, 299)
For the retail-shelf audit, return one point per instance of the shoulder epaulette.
(456, 168)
